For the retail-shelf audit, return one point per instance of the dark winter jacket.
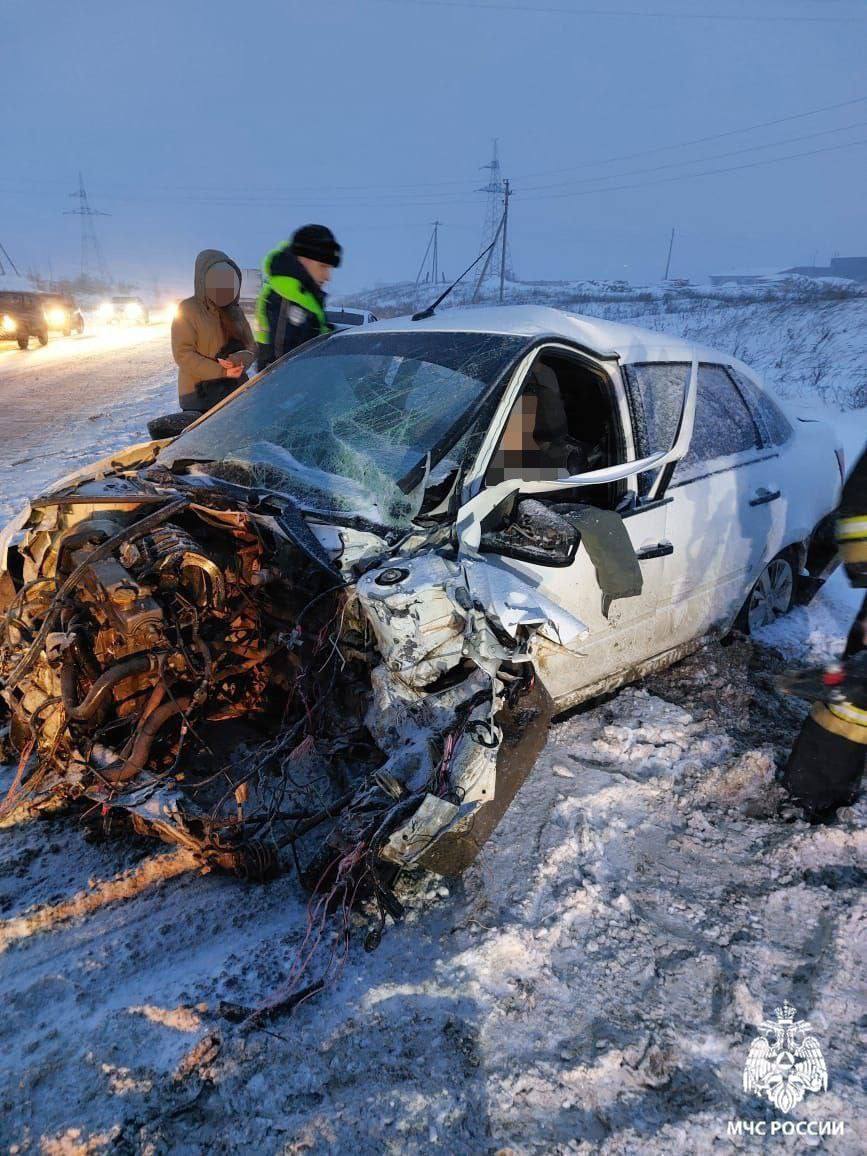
(290, 309)
(202, 332)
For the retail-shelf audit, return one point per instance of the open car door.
(577, 553)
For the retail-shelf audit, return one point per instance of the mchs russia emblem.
(785, 1062)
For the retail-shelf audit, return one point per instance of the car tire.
(23, 340)
(42, 337)
(772, 596)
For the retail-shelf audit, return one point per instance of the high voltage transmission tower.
(495, 190)
(8, 260)
(92, 262)
(429, 270)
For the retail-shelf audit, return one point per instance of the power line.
(704, 160)
(466, 184)
(438, 200)
(705, 139)
(629, 13)
(705, 173)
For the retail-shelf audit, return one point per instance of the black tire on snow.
(42, 338)
(171, 424)
(23, 340)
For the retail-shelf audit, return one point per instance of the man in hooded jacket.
(212, 342)
(291, 306)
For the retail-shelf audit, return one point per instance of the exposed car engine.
(191, 654)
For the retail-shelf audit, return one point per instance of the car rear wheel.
(23, 340)
(772, 596)
(42, 337)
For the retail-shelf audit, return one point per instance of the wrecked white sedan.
(336, 615)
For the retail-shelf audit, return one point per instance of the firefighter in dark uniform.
(827, 761)
(291, 305)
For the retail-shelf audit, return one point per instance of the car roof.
(606, 339)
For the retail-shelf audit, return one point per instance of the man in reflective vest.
(291, 305)
(827, 761)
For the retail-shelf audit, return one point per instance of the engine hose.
(129, 534)
(107, 681)
(135, 763)
(83, 654)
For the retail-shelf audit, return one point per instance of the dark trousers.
(825, 768)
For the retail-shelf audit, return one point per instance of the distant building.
(850, 268)
(746, 277)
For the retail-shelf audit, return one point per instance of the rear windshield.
(339, 317)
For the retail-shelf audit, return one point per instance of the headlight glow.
(106, 309)
(9, 323)
(132, 310)
(56, 317)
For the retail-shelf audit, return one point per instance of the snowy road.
(76, 400)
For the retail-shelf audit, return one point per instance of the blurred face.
(318, 270)
(221, 284)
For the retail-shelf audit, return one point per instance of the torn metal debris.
(236, 678)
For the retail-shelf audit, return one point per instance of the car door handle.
(762, 497)
(659, 550)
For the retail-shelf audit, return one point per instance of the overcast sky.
(225, 124)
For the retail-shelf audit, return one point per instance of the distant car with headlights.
(22, 317)
(61, 313)
(124, 311)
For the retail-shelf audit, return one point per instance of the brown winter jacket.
(200, 330)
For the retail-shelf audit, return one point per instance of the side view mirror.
(531, 532)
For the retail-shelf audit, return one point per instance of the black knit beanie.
(317, 243)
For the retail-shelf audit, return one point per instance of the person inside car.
(536, 444)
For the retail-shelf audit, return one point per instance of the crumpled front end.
(242, 680)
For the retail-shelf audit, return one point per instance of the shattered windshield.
(340, 425)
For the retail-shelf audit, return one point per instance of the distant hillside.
(807, 337)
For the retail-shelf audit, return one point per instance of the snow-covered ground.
(591, 985)
(77, 399)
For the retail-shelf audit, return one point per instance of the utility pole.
(507, 192)
(435, 259)
(9, 262)
(91, 254)
(668, 262)
(487, 264)
(433, 252)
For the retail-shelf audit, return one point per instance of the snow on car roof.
(605, 338)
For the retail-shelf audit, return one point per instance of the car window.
(723, 422)
(773, 422)
(660, 386)
(341, 317)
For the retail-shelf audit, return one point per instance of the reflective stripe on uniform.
(849, 528)
(841, 719)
